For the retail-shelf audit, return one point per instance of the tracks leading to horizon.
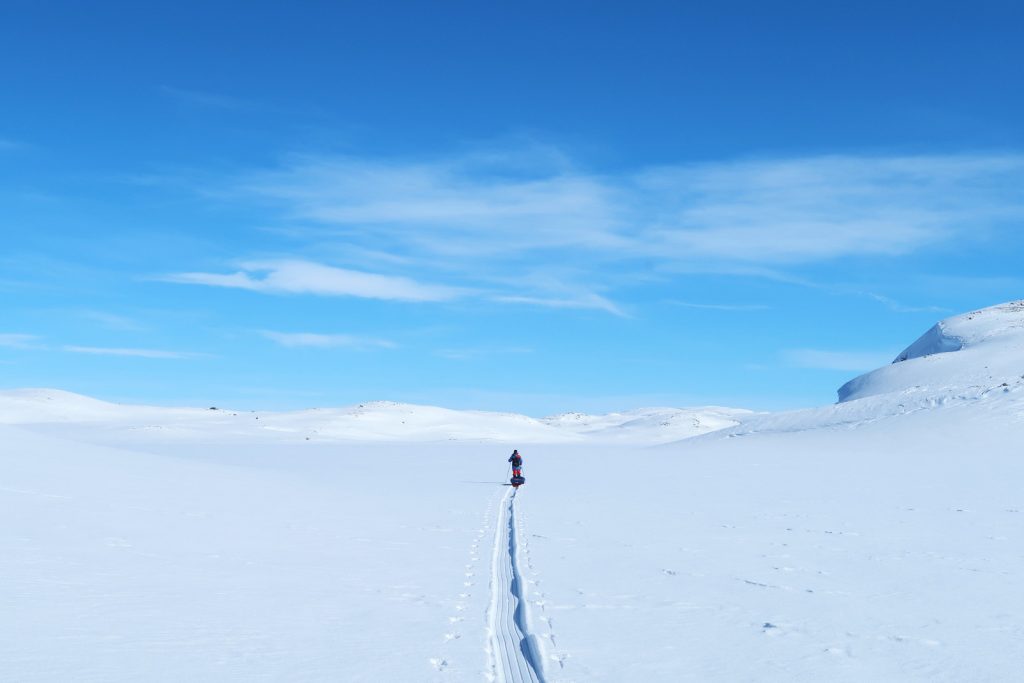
(514, 653)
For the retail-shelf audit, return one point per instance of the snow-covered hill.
(374, 421)
(977, 357)
(964, 358)
(967, 354)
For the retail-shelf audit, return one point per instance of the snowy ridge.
(936, 340)
(633, 425)
(373, 421)
(972, 357)
(976, 357)
(965, 353)
(30, 406)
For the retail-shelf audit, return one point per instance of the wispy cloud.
(747, 212)
(720, 307)
(325, 341)
(802, 210)
(471, 353)
(898, 307)
(466, 206)
(19, 341)
(305, 277)
(139, 353)
(112, 320)
(584, 301)
(847, 361)
(470, 218)
(203, 99)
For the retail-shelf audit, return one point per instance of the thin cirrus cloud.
(325, 341)
(475, 353)
(846, 361)
(898, 307)
(203, 99)
(767, 212)
(14, 340)
(473, 217)
(305, 277)
(812, 210)
(720, 307)
(583, 301)
(111, 320)
(468, 206)
(137, 353)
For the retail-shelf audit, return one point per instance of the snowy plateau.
(877, 539)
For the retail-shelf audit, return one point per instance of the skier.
(517, 463)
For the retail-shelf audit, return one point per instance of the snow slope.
(374, 421)
(973, 352)
(977, 357)
(254, 562)
(877, 539)
(650, 424)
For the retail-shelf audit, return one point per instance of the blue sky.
(535, 207)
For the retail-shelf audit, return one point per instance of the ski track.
(514, 656)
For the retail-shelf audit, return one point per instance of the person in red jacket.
(517, 463)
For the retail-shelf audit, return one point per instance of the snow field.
(376, 421)
(886, 553)
(241, 563)
(873, 540)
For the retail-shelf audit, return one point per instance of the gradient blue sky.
(529, 206)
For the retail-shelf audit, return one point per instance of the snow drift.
(962, 355)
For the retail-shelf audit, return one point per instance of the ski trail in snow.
(513, 653)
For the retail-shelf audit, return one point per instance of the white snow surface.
(877, 539)
(373, 421)
(968, 353)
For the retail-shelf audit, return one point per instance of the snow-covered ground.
(374, 421)
(878, 539)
